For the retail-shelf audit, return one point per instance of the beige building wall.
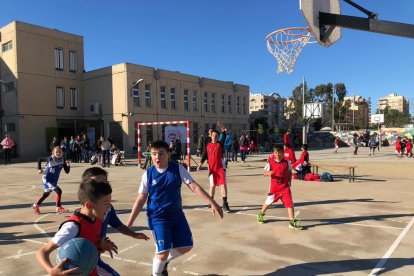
(32, 104)
(30, 64)
(395, 102)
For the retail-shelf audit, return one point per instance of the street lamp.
(137, 82)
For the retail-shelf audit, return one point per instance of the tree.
(394, 118)
(295, 109)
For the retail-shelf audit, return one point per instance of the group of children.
(404, 146)
(160, 188)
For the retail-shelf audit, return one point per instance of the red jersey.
(286, 139)
(289, 155)
(88, 229)
(214, 156)
(304, 157)
(280, 176)
(398, 144)
(408, 146)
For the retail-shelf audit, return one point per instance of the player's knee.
(162, 255)
(184, 250)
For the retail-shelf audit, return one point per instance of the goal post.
(186, 123)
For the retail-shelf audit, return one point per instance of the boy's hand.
(140, 236)
(107, 245)
(40, 171)
(217, 209)
(68, 163)
(58, 269)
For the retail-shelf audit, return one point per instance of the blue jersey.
(52, 170)
(110, 219)
(164, 191)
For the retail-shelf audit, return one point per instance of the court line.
(18, 192)
(18, 255)
(41, 230)
(125, 249)
(380, 265)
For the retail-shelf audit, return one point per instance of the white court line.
(190, 258)
(245, 214)
(384, 259)
(27, 240)
(18, 255)
(244, 208)
(125, 249)
(18, 192)
(41, 229)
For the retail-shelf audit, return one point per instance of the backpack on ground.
(326, 177)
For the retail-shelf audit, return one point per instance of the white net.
(286, 44)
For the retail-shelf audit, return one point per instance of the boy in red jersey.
(95, 197)
(409, 148)
(289, 153)
(336, 144)
(216, 170)
(279, 171)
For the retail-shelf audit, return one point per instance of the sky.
(225, 40)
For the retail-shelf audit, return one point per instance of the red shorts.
(217, 178)
(285, 197)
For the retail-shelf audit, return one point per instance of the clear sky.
(225, 40)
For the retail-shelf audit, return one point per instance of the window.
(135, 95)
(60, 97)
(186, 107)
(195, 107)
(195, 133)
(173, 106)
(244, 105)
(58, 59)
(74, 98)
(238, 105)
(205, 101)
(9, 86)
(213, 102)
(7, 46)
(223, 107)
(148, 95)
(72, 61)
(162, 97)
(10, 127)
(229, 100)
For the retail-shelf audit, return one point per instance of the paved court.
(351, 228)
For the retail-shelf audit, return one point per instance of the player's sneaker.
(60, 210)
(36, 209)
(295, 224)
(261, 218)
(165, 270)
(226, 208)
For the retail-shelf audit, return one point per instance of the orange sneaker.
(60, 210)
(36, 209)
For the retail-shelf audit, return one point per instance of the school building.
(46, 92)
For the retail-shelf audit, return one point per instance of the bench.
(351, 169)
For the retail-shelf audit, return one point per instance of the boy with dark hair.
(279, 171)
(86, 222)
(161, 185)
(216, 169)
(111, 218)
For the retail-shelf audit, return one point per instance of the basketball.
(80, 253)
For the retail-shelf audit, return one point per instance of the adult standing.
(286, 138)
(7, 144)
(243, 147)
(355, 141)
(105, 147)
(200, 145)
(54, 143)
(234, 148)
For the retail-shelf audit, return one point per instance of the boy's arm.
(39, 164)
(66, 166)
(123, 229)
(196, 188)
(203, 158)
(139, 203)
(43, 258)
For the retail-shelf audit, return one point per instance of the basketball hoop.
(286, 44)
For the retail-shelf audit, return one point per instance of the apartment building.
(270, 107)
(46, 93)
(394, 101)
(358, 114)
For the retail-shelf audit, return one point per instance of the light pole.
(333, 109)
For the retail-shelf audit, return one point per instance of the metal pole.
(333, 109)
(305, 122)
(353, 112)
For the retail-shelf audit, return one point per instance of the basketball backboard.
(313, 110)
(377, 118)
(310, 10)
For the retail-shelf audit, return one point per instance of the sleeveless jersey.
(164, 191)
(215, 154)
(280, 175)
(52, 170)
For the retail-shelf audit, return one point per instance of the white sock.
(173, 254)
(157, 266)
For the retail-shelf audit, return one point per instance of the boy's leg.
(59, 208)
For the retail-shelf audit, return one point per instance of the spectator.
(7, 144)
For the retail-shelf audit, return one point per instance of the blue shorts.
(171, 232)
(105, 269)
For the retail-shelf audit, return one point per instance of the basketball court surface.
(352, 228)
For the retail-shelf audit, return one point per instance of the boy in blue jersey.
(55, 164)
(161, 185)
(111, 218)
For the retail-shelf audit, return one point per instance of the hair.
(93, 171)
(278, 148)
(305, 146)
(56, 148)
(93, 190)
(159, 144)
(215, 131)
(287, 145)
